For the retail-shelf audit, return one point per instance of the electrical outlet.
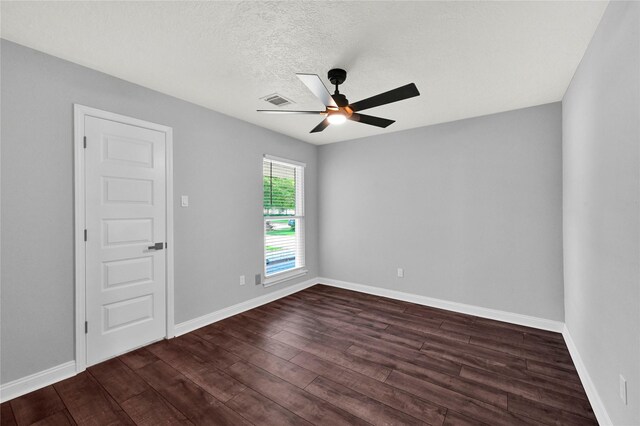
(258, 279)
(623, 390)
(400, 273)
(241, 279)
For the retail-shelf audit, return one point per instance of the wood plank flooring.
(327, 356)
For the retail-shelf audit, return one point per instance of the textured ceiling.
(467, 58)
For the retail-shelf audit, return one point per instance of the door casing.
(80, 112)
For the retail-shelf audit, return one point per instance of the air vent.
(277, 100)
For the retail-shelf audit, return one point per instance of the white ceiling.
(467, 58)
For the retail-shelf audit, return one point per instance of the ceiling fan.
(338, 109)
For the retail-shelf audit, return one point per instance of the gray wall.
(472, 210)
(601, 166)
(217, 162)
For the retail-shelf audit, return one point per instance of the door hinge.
(85, 235)
(85, 141)
(166, 245)
(86, 327)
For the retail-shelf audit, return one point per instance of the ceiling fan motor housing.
(341, 100)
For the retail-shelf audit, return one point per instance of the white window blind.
(283, 204)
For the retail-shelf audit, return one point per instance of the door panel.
(123, 150)
(127, 272)
(125, 313)
(127, 190)
(127, 231)
(125, 215)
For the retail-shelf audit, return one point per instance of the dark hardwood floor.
(327, 356)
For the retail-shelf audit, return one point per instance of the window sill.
(284, 276)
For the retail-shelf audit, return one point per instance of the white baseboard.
(510, 317)
(592, 393)
(36, 381)
(526, 320)
(55, 374)
(188, 326)
(60, 372)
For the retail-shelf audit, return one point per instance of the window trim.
(285, 276)
(299, 270)
(284, 161)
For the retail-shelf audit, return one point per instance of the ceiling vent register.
(277, 100)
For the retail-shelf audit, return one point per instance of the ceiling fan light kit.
(336, 118)
(337, 106)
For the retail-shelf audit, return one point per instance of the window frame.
(300, 217)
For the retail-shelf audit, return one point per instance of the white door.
(125, 191)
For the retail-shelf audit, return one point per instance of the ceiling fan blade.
(320, 127)
(317, 87)
(284, 111)
(395, 95)
(370, 119)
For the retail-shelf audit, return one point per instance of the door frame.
(79, 114)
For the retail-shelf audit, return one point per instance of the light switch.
(184, 201)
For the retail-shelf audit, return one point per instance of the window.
(283, 210)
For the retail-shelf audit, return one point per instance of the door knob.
(156, 246)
